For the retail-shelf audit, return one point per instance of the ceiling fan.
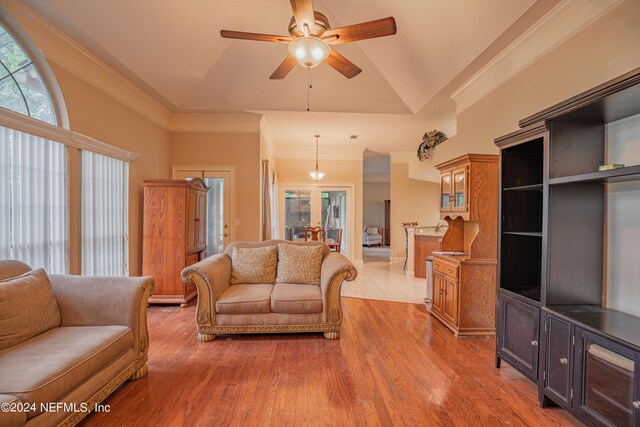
(311, 36)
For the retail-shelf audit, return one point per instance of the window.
(22, 88)
(33, 200)
(105, 188)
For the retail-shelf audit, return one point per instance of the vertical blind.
(33, 200)
(105, 189)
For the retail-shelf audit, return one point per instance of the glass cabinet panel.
(459, 189)
(606, 380)
(445, 190)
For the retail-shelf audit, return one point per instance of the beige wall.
(602, 51)
(411, 200)
(374, 195)
(339, 172)
(240, 150)
(98, 115)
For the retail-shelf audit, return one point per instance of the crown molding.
(215, 122)
(560, 23)
(60, 49)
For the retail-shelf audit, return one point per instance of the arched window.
(27, 85)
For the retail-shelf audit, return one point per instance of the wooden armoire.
(174, 235)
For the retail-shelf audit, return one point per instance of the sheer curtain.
(105, 207)
(266, 201)
(275, 212)
(33, 201)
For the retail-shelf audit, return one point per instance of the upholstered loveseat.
(67, 340)
(273, 303)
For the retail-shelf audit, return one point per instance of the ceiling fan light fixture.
(309, 51)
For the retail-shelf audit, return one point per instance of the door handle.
(636, 404)
(564, 361)
(226, 234)
(534, 343)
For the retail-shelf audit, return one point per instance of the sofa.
(371, 236)
(67, 340)
(272, 302)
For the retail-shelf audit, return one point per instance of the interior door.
(218, 211)
(218, 207)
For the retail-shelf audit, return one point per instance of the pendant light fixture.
(316, 175)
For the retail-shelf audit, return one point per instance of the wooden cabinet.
(472, 177)
(438, 293)
(467, 286)
(453, 190)
(587, 369)
(174, 235)
(424, 246)
(464, 295)
(558, 359)
(518, 335)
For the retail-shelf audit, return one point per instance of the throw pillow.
(27, 307)
(254, 265)
(299, 264)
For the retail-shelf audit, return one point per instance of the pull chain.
(309, 87)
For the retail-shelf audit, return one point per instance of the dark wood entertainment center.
(552, 325)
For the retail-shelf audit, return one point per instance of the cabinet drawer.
(445, 268)
(191, 259)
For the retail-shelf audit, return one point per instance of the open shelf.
(629, 173)
(523, 233)
(533, 187)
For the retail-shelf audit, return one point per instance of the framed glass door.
(310, 206)
(218, 206)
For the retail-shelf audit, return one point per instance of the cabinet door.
(201, 221)
(192, 235)
(459, 189)
(607, 389)
(558, 360)
(518, 328)
(445, 192)
(450, 304)
(438, 289)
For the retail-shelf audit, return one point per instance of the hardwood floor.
(393, 365)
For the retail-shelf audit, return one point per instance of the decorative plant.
(429, 141)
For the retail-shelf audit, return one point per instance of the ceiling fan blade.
(365, 30)
(255, 36)
(304, 15)
(342, 65)
(284, 68)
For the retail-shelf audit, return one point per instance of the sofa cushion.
(289, 298)
(299, 264)
(372, 230)
(254, 265)
(245, 299)
(51, 365)
(27, 307)
(11, 418)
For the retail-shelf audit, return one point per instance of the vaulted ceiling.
(173, 51)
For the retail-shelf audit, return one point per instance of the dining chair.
(315, 233)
